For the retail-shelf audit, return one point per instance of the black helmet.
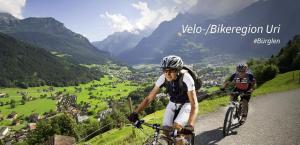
(172, 62)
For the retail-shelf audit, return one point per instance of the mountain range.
(53, 36)
(168, 37)
(120, 42)
(25, 65)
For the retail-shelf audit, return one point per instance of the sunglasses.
(169, 70)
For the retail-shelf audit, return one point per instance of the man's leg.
(181, 121)
(168, 121)
(245, 101)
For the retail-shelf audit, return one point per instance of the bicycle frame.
(158, 128)
(233, 112)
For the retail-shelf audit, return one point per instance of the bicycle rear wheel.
(227, 121)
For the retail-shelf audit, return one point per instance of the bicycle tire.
(240, 114)
(193, 139)
(190, 139)
(227, 121)
(237, 113)
(150, 141)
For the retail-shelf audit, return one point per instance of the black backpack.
(196, 78)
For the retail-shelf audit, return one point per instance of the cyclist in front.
(243, 82)
(183, 101)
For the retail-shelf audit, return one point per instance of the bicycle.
(160, 139)
(233, 113)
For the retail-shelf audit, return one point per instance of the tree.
(288, 58)
(24, 99)
(62, 124)
(296, 62)
(23, 102)
(264, 72)
(12, 103)
(87, 127)
(1, 143)
(22, 85)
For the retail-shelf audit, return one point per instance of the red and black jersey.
(242, 82)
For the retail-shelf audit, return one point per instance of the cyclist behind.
(182, 101)
(244, 82)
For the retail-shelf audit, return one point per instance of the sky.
(96, 19)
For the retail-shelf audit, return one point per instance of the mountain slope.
(52, 35)
(168, 38)
(120, 42)
(26, 65)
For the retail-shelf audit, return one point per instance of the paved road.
(273, 119)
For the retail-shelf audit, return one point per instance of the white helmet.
(241, 67)
(172, 61)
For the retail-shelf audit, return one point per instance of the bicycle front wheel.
(191, 139)
(152, 141)
(227, 121)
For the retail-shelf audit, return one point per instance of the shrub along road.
(272, 119)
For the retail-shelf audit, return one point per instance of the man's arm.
(252, 82)
(148, 99)
(194, 107)
(227, 81)
(225, 85)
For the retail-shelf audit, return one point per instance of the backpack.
(196, 78)
(197, 81)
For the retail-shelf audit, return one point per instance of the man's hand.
(133, 117)
(187, 130)
(250, 90)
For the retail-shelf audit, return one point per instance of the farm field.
(40, 99)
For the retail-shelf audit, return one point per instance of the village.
(79, 110)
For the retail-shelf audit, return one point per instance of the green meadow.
(107, 87)
(124, 136)
(282, 82)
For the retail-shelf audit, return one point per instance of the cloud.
(149, 17)
(118, 22)
(14, 7)
(152, 18)
(168, 9)
(216, 8)
(185, 5)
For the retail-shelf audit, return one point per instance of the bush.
(264, 72)
(12, 103)
(62, 124)
(91, 112)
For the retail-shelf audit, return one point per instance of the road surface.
(273, 119)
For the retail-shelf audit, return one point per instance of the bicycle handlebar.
(240, 93)
(138, 124)
(236, 92)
